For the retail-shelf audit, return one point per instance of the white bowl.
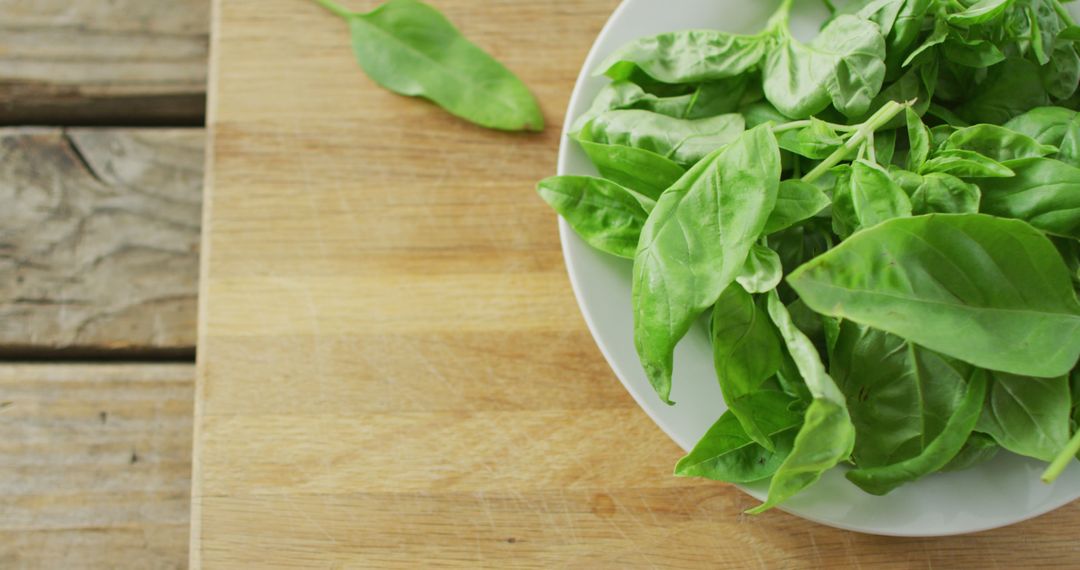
(1001, 492)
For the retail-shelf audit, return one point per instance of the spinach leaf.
(1044, 192)
(923, 278)
(843, 65)
(1028, 416)
(691, 56)
(965, 164)
(606, 215)
(946, 194)
(827, 435)
(684, 141)
(726, 453)
(410, 48)
(795, 201)
(640, 170)
(997, 143)
(695, 243)
(937, 454)
(746, 352)
(762, 271)
(875, 196)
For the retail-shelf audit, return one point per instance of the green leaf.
(707, 100)
(844, 219)
(762, 271)
(965, 164)
(691, 56)
(997, 143)
(684, 141)
(875, 196)
(979, 448)
(980, 12)
(1070, 144)
(843, 65)
(925, 279)
(795, 201)
(638, 169)
(1061, 74)
(900, 395)
(410, 48)
(1047, 125)
(937, 454)
(827, 435)
(945, 194)
(606, 215)
(695, 243)
(1012, 87)
(1028, 416)
(972, 53)
(918, 139)
(816, 141)
(1044, 192)
(746, 352)
(936, 38)
(726, 453)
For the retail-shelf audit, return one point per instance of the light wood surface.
(392, 369)
(99, 240)
(94, 466)
(103, 62)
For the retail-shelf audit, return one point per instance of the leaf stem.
(335, 8)
(862, 133)
(1063, 13)
(784, 127)
(1063, 458)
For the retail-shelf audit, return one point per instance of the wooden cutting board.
(392, 368)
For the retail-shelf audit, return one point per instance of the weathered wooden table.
(392, 369)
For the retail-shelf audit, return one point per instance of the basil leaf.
(746, 352)
(410, 48)
(997, 143)
(981, 12)
(918, 140)
(1028, 416)
(684, 141)
(606, 215)
(1046, 125)
(843, 65)
(1044, 192)
(691, 56)
(923, 279)
(937, 454)
(965, 164)
(795, 201)
(875, 196)
(726, 453)
(946, 194)
(979, 448)
(696, 241)
(827, 435)
(638, 169)
(762, 271)
(1013, 87)
(1070, 144)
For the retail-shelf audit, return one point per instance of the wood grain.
(102, 62)
(392, 369)
(99, 239)
(95, 464)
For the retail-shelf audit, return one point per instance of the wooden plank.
(94, 465)
(392, 369)
(99, 239)
(65, 62)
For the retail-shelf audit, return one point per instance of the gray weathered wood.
(103, 62)
(99, 238)
(95, 464)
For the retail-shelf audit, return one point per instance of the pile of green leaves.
(881, 226)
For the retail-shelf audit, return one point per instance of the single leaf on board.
(695, 243)
(924, 279)
(410, 48)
